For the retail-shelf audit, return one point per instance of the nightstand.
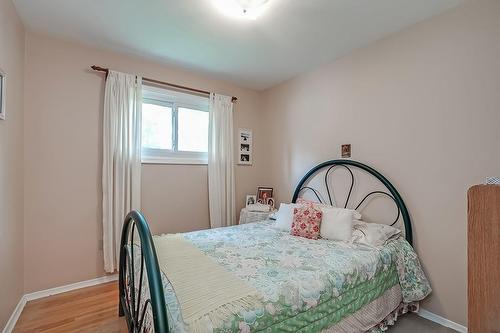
(247, 216)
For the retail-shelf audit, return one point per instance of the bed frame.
(347, 165)
(130, 299)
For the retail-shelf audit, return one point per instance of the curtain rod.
(204, 92)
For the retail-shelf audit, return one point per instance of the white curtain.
(220, 162)
(121, 165)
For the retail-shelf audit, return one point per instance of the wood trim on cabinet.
(484, 259)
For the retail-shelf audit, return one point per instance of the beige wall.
(420, 106)
(423, 107)
(11, 162)
(63, 116)
(175, 197)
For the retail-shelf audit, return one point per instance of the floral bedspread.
(307, 285)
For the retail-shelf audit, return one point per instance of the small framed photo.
(245, 159)
(264, 193)
(270, 203)
(244, 147)
(346, 151)
(251, 200)
(2, 93)
(245, 136)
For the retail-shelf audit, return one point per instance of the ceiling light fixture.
(242, 9)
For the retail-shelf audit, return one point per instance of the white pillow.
(284, 217)
(355, 214)
(336, 223)
(318, 205)
(373, 233)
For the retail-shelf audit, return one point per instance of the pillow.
(306, 222)
(318, 205)
(373, 233)
(284, 217)
(337, 223)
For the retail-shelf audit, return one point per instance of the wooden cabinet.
(484, 259)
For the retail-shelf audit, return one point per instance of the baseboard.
(9, 327)
(11, 323)
(70, 287)
(442, 321)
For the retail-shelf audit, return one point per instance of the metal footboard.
(130, 304)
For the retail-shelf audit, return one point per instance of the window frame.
(173, 100)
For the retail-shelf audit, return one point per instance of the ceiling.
(290, 37)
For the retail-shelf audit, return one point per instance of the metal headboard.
(393, 193)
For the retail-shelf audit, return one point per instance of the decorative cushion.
(318, 205)
(306, 221)
(337, 224)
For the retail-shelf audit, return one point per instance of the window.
(174, 127)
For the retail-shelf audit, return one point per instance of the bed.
(296, 284)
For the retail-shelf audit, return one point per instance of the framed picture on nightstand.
(251, 200)
(264, 193)
(270, 203)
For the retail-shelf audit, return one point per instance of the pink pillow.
(306, 221)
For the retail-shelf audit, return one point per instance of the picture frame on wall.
(346, 151)
(245, 149)
(3, 79)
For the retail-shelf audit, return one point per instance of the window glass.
(156, 126)
(192, 130)
(174, 127)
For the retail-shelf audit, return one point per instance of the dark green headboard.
(347, 164)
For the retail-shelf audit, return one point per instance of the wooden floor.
(93, 309)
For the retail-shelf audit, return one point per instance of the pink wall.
(63, 160)
(11, 162)
(422, 107)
